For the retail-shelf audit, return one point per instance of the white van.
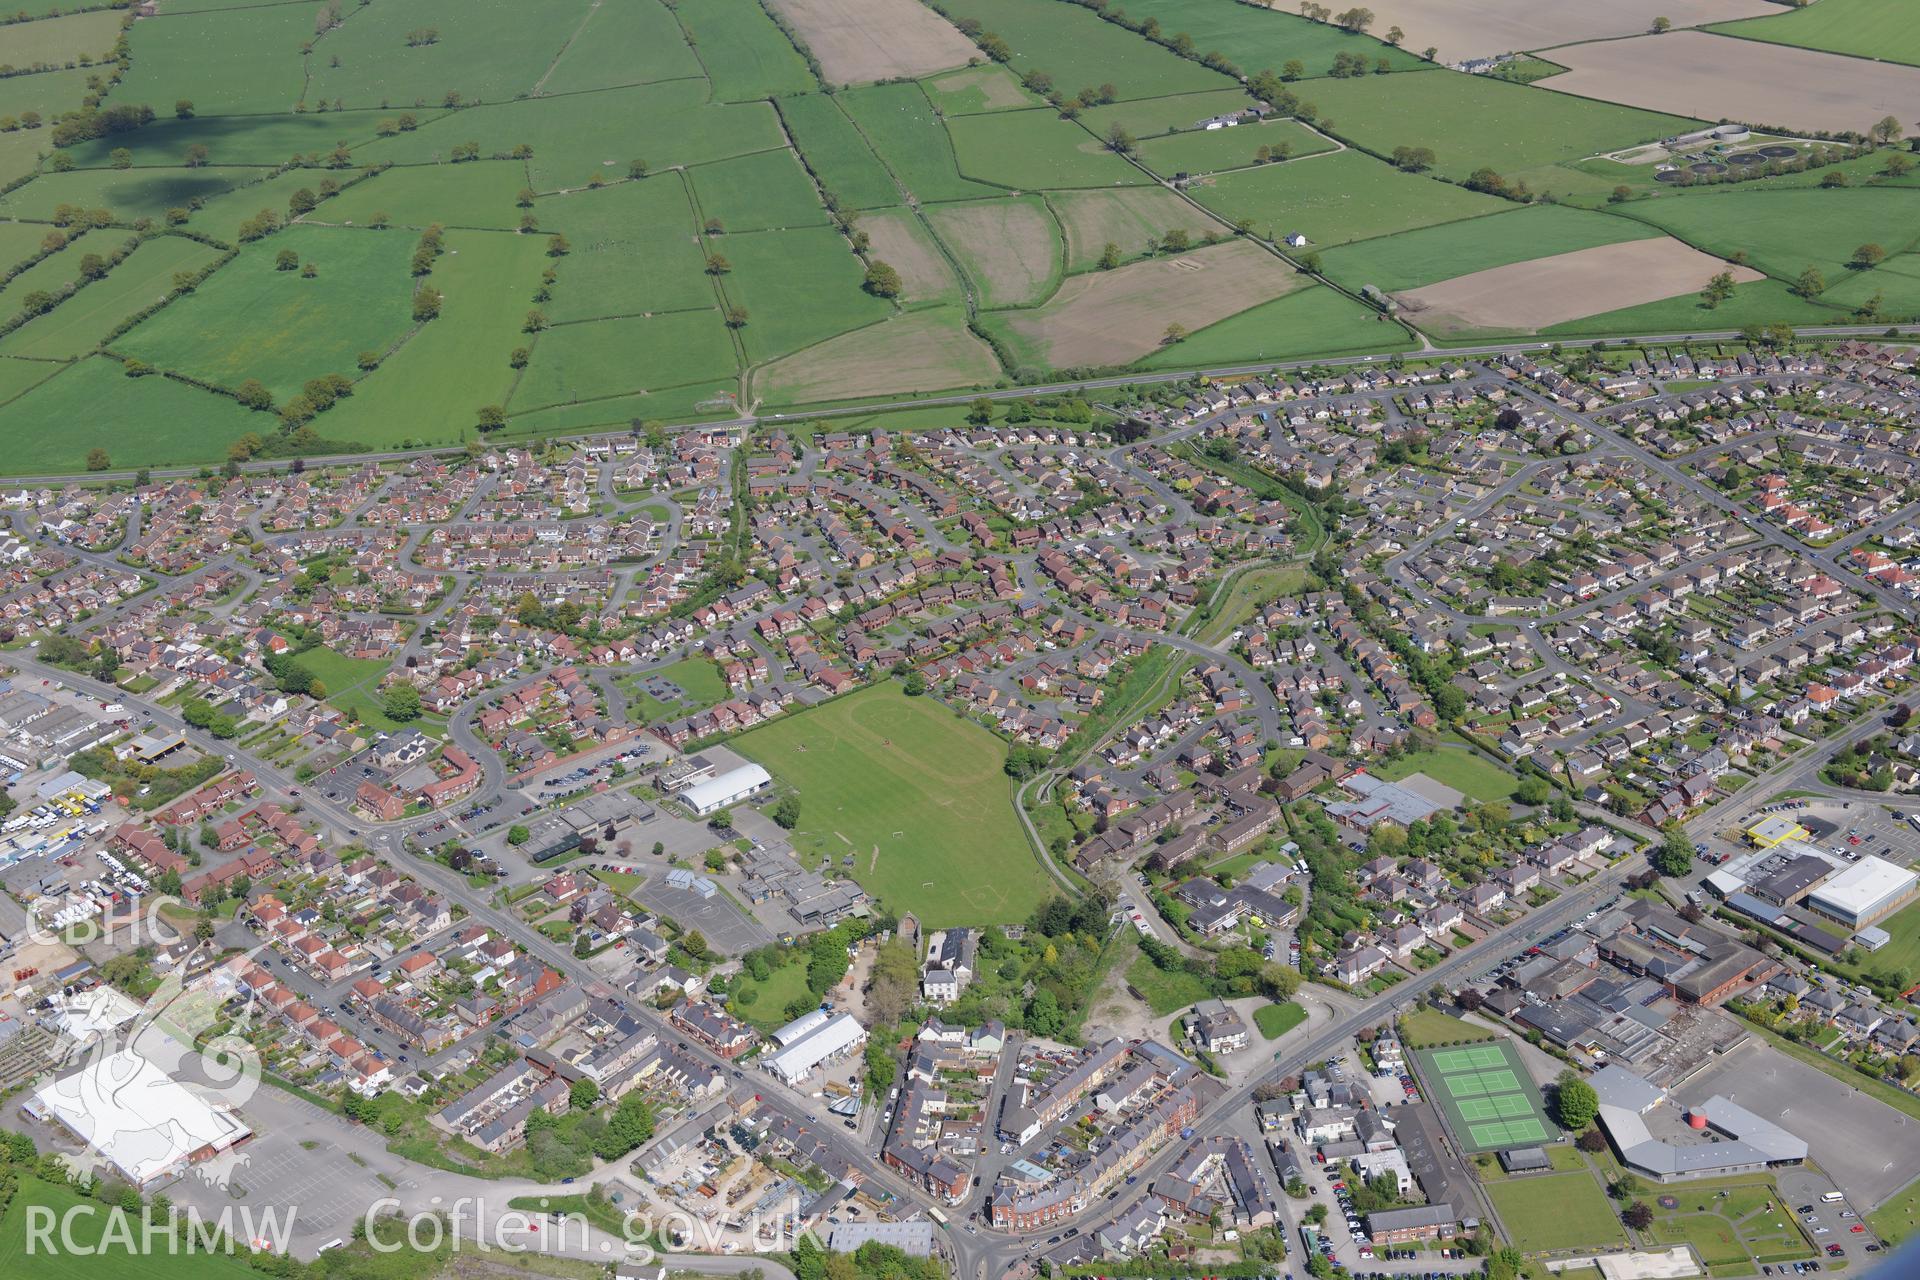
(1832, 1197)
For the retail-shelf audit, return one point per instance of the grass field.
(1474, 775)
(621, 44)
(1556, 1211)
(1338, 199)
(1784, 232)
(898, 238)
(1010, 248)
(1447, 112)
(971, 90)
(1036, 150)
(763, 1004)
(698, 680)
(353, 686)
(1076, 48)
(1313, 321)
(900, 126)
(58, 41)
(19, 376)
(761, 192)
(430, 388)
(97, 1257)
(1457, 248)
(240, 62)
(1899, 1218)
(745, 55)
(129, 193)
(1201, 151)
(138, 421)
(837, 154)
(1148, 118)
(252, 320)
(916, 795)
(1165, 990)
(1275, 1020)
(928, 348)
(485, 50)
(1424, 1028)
(595, 359)
(79, 324)
(453, 195)
(1880, 29)
(799, 287)
(1265, 39)
(634, 250)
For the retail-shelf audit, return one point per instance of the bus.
(937, 1216)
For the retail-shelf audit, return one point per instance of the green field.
(1153, 117)
(453, 195)
(1879, 29)
(1897, 1220)
(764, 1004)
(744, 54)
(252, 320)
(1275, 1020)
(1448, 113)
(240, 62)
(485, 51)
(1126, 217)
(106, 1258)
(1259, 38)
(353, 686)
(1557, 1211)
(1200, 151)
(1315, 321)
(1757, 302)
(129, 193)
(1165, 990)
(837, 154)
(1338, 199)
(138, 421)
(899, 124)
(18, 376)
(595, 359)
(621, 44)
(1424, 1028)
(79, 324)
(1415, 258)
(1077, 49)
(971, 90)
(699, 682)
(1465, 771)
(1034, 151)
(430, 388)
(762, 192)
(59, 41)
(1783, 232)
(916, 795)
(799, 287)
(634, 250)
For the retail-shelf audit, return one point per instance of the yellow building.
(1773, 829)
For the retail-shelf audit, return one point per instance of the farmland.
(875, 766)
(719, 178)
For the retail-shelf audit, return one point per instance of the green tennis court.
(1486, 1095)
(1477, 1058)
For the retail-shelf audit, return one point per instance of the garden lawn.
(764, 1004)
(101, 1259)
(429, 390)
(916, 794)
(1414, 258)
(1880, 29)
(899, 124)
(1339, 199)
(1078, 50)
(252, 320)
(839, 157)
(1557, 1211)
(799, 287)
(634, 250)
(596, 359)
(1314, 321)
(1275, 1020)
(1425, 1028)
(744, 53)
(1461, 769)
(78, 325)
(1036, 150)
(138, 421)
(1451, 114)
(1165, 990)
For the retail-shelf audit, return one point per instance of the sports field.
(1556, 1211)
(915, 795)
(1489, 1101)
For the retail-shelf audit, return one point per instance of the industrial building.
(726, 789)
(142, 1121)
(806, 1043)
(1863, 894)
(1716, 1138)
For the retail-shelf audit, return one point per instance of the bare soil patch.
(920, 351)
(1114, 317)
(1711, 77)
(1548, 291)
(1462, 29)
(902, 243)
(1009, 246)
(1126, 217)
(858, 41)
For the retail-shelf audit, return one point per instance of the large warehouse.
(146, 1124)
(803, 1051)
(1865, 892)
(729, 788)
